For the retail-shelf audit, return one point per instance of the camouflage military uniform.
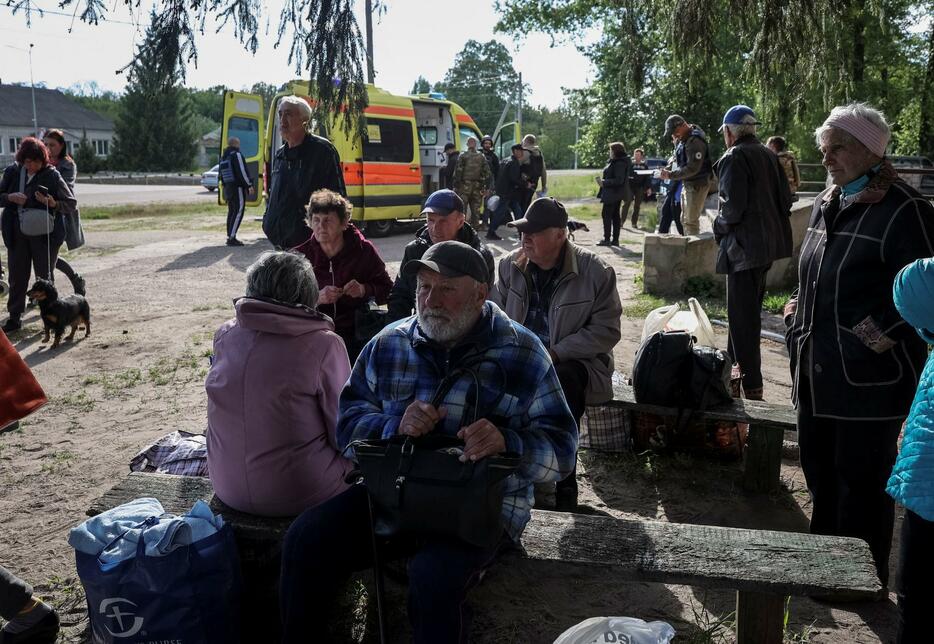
(790, 166)
(471, 179)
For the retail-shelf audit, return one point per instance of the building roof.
(53, 109)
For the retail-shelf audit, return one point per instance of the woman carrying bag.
(74, 235)
(35, 201)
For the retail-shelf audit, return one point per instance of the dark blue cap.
(739, 115)
(443, 202)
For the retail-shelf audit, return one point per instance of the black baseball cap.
(543, 213)
(451, 259)
(518, 146)
(672, 123)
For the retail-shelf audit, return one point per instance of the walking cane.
(378, 575)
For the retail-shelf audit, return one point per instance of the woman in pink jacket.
(276, 376)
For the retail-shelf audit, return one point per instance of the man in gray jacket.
(567, 296)
(753, 230)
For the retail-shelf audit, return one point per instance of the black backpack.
(670, 371)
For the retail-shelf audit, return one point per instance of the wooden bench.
(763, 567)
(767, 421)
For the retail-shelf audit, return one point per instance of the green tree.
(90, 95)
(481, 80)
(421, 86)
(267, 91)
(153, 131)
(322, 37)
(85, 157)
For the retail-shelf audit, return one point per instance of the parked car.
(655, 164)
(209, 179)
(924, 183)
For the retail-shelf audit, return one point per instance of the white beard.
(443, 329)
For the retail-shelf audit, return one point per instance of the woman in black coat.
(20, 189)
(614, 189)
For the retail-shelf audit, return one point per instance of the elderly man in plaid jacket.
(503, 395)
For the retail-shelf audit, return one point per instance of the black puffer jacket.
(615, 186)
(846, 339)
(752, 225)
(296, 173)
(402, 295)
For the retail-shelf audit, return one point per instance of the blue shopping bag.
(190, 595)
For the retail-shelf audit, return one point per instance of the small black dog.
(58, 313)
(575, 225)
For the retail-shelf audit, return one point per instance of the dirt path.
(158, 290)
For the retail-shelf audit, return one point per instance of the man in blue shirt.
(515, 403)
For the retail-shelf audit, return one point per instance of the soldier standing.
(694, 169)
(472, 179)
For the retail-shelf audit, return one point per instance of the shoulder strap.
(22, 184)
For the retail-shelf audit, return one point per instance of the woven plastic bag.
(618, 630)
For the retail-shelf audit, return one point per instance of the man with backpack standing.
(753, 230)
(237, 185)
(694, 169)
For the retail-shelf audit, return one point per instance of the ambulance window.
(247, 130)
(465, 133)
(388, 140)
(427, 136)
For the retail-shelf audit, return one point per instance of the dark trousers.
(502, 212)
(611, 222)
(671, 212)
(527, 196)
(236, 203)
(573, 377)
(914, 577)
(328, 542)
(744, 293)
(636, 201)
(846, 464)
(14, 593)
(28, 254)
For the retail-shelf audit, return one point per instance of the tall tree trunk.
(926, 135)
(858, 63)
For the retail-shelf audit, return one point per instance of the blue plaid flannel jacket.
(519, 393)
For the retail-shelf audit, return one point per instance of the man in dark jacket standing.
(753, 230)
(237, 185)
(511, 185)
(638, 185)
(854, 360)
(305, 163)
(444, 211)
(446, 173)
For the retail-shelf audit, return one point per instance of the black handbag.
(420, 487)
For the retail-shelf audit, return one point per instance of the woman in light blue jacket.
(912, 480)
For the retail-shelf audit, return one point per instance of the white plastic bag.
(619, 630)
(672, 318)
(492, 203)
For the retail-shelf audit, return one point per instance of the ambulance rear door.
(506, 137)
(243, 118)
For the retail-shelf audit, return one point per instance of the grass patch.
(208, 217)
(58, 461)
(642, 304)
(775, 302)
(573, 186)
(584, 212)
(80, 401)
(112, 383)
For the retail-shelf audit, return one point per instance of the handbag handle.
(140, 545)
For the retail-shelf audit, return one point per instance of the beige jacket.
(584, 320)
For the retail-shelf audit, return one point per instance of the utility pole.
(577, 137)
(32, 84)
(370, 73)
(519, 105)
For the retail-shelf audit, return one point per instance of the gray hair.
(529, 138)
(298, 102)
(859, 110)
(282, 276)
(739, 130)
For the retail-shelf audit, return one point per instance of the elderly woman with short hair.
(854, 360)
(273, 387)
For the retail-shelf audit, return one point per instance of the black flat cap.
(451, 259)
(546, 212)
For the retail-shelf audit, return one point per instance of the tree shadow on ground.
(240, 257)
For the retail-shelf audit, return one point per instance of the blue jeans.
(502, 211)
(328, 542)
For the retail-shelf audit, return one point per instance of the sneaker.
(603, 242)
(13, 324)
(78, 285)
(615, 242)
(233, 241)
(493, 236)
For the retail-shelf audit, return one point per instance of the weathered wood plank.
(759, 561)
(758, 413)
(762, 460)
(760, 619)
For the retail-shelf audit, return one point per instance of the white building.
(53, 110)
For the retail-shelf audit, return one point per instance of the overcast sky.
(412, 38)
